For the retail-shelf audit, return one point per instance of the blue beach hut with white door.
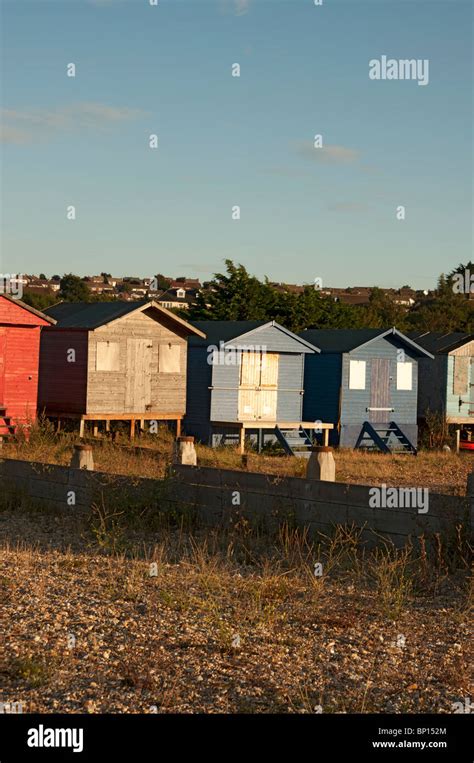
(246, 380)
(365, 381)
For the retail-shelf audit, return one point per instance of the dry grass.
(441, 472)
(227, 621)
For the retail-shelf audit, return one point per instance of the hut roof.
(43, 315)
(438, 343)
(226, 331)
(346, 340)
(91, 315)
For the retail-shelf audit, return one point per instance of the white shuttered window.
(108, 356)
(357, 374)
(405, 376)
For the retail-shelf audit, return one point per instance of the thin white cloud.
(236, 7)
(26, 126)
(328, 154)
(241, 7)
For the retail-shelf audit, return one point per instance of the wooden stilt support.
(107, 425)
(81, 428)
(132, 429)
(242, 440)
(178, 427)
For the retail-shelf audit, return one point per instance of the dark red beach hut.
(20, 327)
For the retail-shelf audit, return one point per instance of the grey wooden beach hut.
(365, 381)
(246, 378)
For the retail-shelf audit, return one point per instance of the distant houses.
(246, 379)
(114, 361)
(366, 382)
(20, 327)
(178, 297)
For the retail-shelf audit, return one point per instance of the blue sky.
(226, 141)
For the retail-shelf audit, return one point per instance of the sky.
(328, 212)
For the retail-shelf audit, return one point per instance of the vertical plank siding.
(62, 382)
(19, 359)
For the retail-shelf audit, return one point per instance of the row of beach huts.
(225, 381)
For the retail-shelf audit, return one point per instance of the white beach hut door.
(138, 380)
(267, 409)
(248, 386)
(258, 386)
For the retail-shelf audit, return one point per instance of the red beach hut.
(20, 327)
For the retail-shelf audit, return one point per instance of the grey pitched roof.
(226, 331)
(91, 315)
(222, 331)
(340, 340)
(346, 340)
(437, 342)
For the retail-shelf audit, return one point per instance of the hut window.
(357, 374)
(405, 376)
(461, 374)
(170, 359)
(108, 356)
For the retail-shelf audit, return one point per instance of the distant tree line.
(237, 295)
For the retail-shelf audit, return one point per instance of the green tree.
(235, 296)
(39, 300)
(444, 310)
(383, 312)
(74, 289)
(162, 282)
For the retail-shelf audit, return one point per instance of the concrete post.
(82, 458)
(321, 464)
(186, 452)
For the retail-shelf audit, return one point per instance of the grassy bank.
(441, 472)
